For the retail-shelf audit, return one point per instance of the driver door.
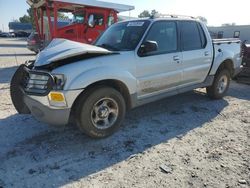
(160, 71)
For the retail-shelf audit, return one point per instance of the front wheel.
(220, 85)
(100, 112)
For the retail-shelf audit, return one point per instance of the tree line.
(29, 17)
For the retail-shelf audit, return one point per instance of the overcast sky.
(217, 12)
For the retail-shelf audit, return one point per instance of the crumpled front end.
(36, 89)
(42, 95)
(61, 51)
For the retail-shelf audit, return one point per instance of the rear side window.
(190, 36)
(203, 36)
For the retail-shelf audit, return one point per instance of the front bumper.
(41, 109)
(38, 100)
(46, 114)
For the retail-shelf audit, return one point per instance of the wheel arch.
(226, 64)
(115, 84)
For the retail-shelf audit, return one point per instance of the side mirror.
(148, 46)
(91, 21)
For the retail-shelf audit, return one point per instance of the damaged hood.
(60, 50)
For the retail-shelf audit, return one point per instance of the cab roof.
(172, 17)
(165, 17)
(153, 19)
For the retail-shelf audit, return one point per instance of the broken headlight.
(59, 81)
(37, 83)
(41, 83)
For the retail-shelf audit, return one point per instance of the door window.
(99, 19)
(190, 36)
(203, 37)
(78, 17)
(165, 34)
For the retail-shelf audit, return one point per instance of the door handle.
(206, 53)
(176, 58)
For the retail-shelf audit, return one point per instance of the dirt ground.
(199, 142)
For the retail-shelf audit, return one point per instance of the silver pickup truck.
(132, 63)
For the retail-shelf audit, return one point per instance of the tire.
(220, 85)
(16, 93)
(100, 112)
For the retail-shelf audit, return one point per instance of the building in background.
(20, 27)
(231, 31)
(24, 29)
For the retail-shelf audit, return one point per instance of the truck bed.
(229, 48)
(229, 45)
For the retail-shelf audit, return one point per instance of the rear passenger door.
(196, 52)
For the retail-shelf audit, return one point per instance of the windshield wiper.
(109, 47)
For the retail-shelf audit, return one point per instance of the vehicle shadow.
(6, 74)
(58, 156)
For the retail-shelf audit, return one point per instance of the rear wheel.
(100, 112)
(220, 85)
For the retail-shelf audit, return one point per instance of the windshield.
(123, 36)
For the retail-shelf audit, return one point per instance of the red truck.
(90, 18)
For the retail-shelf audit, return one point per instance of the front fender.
(103, 73)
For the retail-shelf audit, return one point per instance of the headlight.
(59, 80)
(38, 77)
(41, 83)
(37, 83)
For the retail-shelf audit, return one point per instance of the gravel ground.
(183, 141)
